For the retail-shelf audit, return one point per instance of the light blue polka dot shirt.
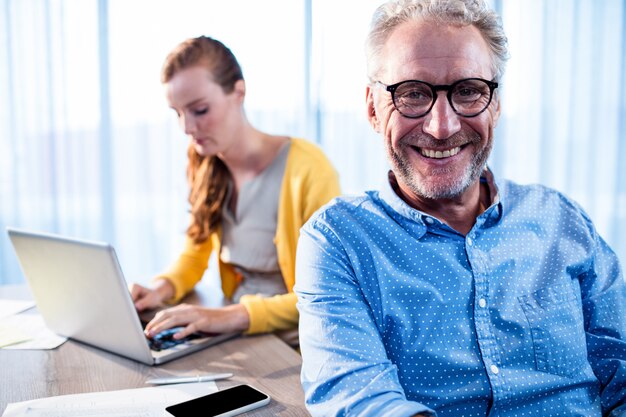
(400, 314)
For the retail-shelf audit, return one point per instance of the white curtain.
(90, 149)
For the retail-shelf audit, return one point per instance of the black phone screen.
(218, 402)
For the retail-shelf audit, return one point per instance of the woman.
(250, 192)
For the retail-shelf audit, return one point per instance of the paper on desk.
(9, 335)
(11, 307)
(31, 326)
(140, 402)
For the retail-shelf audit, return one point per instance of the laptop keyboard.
(165, 339)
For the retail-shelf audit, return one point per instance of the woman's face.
(206, 114)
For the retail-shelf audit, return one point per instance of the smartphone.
(227, 402)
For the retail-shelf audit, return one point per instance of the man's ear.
(372, 117)
(496, 113)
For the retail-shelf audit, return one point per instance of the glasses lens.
(413, 98)
(470, 97)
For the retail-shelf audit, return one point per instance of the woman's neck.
(255, 152)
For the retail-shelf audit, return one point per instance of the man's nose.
(441, 122)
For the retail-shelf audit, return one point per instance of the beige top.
(248, 232)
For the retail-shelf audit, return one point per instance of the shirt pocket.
(555, 318)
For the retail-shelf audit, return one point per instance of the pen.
(188, 379)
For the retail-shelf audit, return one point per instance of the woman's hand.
(148, 298)
(232, 318)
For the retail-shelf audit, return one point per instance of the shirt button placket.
(482, 321)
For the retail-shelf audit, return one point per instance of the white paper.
(11, 307)
(9, 335)
(140, 402)
(33, 327)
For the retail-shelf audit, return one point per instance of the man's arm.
(604, 305)
(345, 370)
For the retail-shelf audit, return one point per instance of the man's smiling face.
(440, 154)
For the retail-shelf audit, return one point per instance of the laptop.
(81, 293)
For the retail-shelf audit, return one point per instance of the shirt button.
(429, 220)
(469, 241)
(482, 303)
(494, 369)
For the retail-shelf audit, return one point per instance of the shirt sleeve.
(345, 371)
(604, 306)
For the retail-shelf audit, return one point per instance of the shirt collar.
(410, 218)
(491, 215)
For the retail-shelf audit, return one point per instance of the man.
(451, 293)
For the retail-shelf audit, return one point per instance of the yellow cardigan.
(309, 182)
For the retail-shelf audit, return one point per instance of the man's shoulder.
(351, 203)
(346, 208)
(515, 190)
(541, 198)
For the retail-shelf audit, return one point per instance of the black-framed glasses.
(468, 97)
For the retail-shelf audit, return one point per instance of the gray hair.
(455, 12)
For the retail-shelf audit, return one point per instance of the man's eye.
(468, 92)
(201, 112)
(415, 95)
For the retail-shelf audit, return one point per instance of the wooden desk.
(263, 361)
